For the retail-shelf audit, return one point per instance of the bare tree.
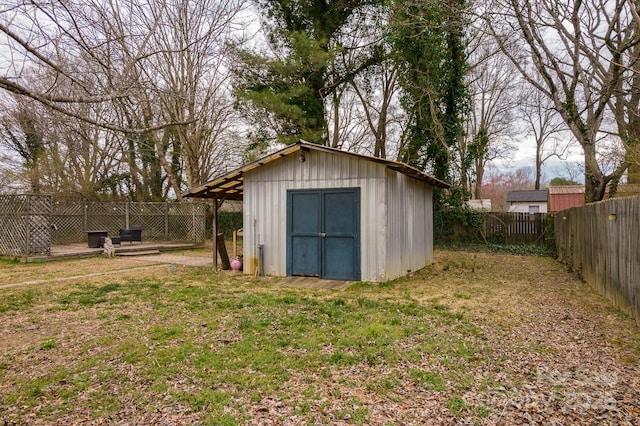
(494, 100)
(192, 65)
(364, 108)
(625, 105)
(377, 114)
(59, 155)
(573, 170)
(9, 181)
(22, 132)
(576, 53)
(151, 74)
(545, 126)
(349, 128)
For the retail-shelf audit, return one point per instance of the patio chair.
(134, 233)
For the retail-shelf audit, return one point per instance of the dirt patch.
(17, 274)
(181, 259)
(14, 273)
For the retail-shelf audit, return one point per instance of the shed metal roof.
(231, 185)
(527, 196)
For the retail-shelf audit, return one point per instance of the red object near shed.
(565, 196)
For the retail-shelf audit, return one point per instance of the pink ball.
(236, 263)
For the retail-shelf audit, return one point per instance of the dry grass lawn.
(476, 338)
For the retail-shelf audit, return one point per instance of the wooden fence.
(24, 225)
(601, 242)
(30, 224)
(160, 221)
(516, 227)
(493, 227)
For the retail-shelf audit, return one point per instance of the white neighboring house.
(483, 204)
(529, 201)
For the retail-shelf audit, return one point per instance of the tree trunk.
(633, 172)
(594, 182)
(538, 165)
(479, 179)
(335, 140)
(380, 149)
(167, 167)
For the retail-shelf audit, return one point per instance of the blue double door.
(323, 228)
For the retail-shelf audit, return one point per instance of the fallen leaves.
(536, 347)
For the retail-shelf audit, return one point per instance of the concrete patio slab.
(76, 250)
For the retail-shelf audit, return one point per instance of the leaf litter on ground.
(475, 338)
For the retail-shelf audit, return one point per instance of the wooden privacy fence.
(30, 224)
(516, 227)
(450, 226)
(601, 241)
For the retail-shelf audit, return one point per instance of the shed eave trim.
(230, 186)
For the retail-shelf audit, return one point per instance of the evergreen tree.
(284, 93)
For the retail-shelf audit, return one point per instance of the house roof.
(231, 185)
(537, 196)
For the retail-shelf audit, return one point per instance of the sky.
(525, 156)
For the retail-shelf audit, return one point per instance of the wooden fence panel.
(160, 221)
(24, 224)
(515, 227)
(29, 224)
(600, 241)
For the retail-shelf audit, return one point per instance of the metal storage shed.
(319, 211)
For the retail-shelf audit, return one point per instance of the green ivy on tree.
(429, 48)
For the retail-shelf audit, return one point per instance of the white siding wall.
(410, 225)
(265, 207)
(523, 207)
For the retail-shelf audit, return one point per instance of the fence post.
(26, 224)
(166, 221)
(85, 219)
(193, 222)
(214, 226)
(49, 225)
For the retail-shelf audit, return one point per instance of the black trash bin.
(93, 238)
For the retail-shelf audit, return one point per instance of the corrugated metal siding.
(410, 225)
(265, 206)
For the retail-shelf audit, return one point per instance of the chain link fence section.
(25, 227)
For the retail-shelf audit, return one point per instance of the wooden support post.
(224, 256)
(217, 243)
(27, 231)
(214, 225)
(235, 240)
(86, 217)
(166, 221)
